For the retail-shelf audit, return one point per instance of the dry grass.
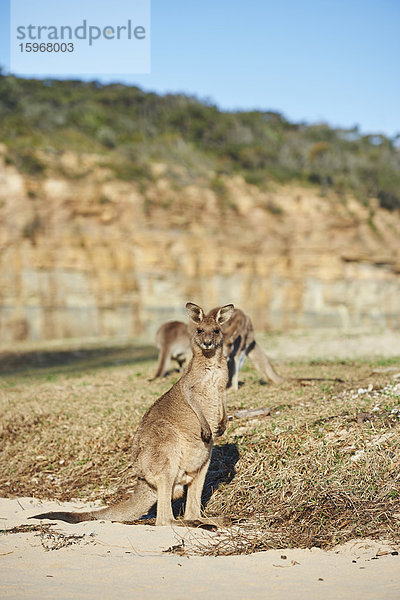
(322, 468)
(49, 538)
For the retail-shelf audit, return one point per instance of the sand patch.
(108, 560)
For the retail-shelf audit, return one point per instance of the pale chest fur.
(210, 391)
(214, 377)
(209, 380)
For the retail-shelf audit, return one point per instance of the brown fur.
(173, 343)
(239, 342)
(172, 445)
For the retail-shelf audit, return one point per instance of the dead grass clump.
(50, 539)
(316, 485)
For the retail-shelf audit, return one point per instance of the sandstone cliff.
(84, 254)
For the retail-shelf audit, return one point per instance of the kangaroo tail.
(68, 517)
(262, 363)
(138, 504)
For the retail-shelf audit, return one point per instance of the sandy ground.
(331, 344)
(113, 560)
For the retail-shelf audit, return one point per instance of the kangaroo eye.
(200, 330)
(216, 331)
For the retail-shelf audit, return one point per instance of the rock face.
(93, 256)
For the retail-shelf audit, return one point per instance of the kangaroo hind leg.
(163, 362)
(193, 497)
(165, 487)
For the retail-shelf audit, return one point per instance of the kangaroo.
(172, 445)
(239, 342)
(173, 343)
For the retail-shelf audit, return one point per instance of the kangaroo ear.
(224, 314)
(194, 312)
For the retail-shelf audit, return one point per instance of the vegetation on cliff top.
(130, 128)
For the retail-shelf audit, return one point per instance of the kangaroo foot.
(209, 523)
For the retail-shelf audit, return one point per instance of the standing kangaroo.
(173, 341)
(172, 445)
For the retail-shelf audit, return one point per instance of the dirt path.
(112, 560)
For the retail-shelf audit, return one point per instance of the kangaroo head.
(206, 329)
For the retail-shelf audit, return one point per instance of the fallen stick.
(252, 413)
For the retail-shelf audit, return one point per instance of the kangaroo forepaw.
(206, 435)
(221, 428)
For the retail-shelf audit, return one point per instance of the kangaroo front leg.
(206, 433)
(223, 418)
(165, 516)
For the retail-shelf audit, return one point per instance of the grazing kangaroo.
(173, 343)
(172, 445)
(239, 342)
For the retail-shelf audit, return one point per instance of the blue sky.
(96, 48)
(313, 60)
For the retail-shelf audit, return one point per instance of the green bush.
(134, 128)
